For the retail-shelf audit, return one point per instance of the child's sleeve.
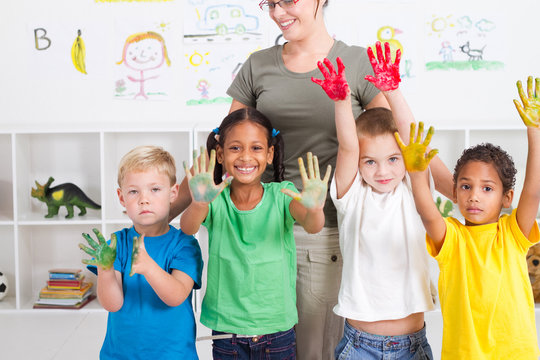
(188, 259)
(522, 241)
(342, 204)
(450, 239)
(287, 200)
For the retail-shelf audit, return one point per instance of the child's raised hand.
(414, 154)
(103, 254)
(530, 110)
(201, 183)
(334, 84)
(313, 195)
(139, 256)
(386, 74)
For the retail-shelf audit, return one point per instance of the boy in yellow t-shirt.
(486, 297)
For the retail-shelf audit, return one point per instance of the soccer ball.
(3, 286)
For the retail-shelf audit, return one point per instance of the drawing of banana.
(78, 53)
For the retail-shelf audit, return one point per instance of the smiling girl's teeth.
(287, 23)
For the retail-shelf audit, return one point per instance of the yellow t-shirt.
(486, 297)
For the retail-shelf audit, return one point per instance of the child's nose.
(143, 199)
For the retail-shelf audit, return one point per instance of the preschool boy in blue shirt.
(147, 273)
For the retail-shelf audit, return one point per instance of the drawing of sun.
(439, 24)
(163, 26)
(197, 59)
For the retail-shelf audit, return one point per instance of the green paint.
(465, 65)
(218, 100)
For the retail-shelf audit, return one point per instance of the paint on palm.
(143, 65)
(211, 21)
(464, 42)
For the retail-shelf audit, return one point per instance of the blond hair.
(142, 36)
(146, 157)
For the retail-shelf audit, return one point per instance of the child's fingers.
(412, 132)
(371, 79)
(398, 57)
(371, 57)
(195, 163)
(188, 172)
(90, 241)
(323, 70)
(87, 250)
(203, 159)
(89, 262)
(212, 164)
(530, 94)
(429, 135)
(387, 53)
(316, 167)
(317, 81)
(330, 66)
(420, 132)
(294, 195)
(113, 242)
(521, 93)
(311, 173)
(431, 155)
(327, 175)
(399, 142)
(537, 87)
(302, 169)
(99, 236)
(379, 52)
(340, 66)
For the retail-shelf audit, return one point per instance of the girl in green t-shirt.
(250, 299)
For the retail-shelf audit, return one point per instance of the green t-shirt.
(251, 284)
(299, 108)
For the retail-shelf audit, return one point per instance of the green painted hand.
(313, 195)
(201, 183)
(414, 154)
(530, 110)
(103, 254)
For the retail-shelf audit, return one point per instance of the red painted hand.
(334, 84)
(386, 74)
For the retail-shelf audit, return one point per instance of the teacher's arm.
(236, 105)
(378, 101)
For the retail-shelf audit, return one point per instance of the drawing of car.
(227, 18)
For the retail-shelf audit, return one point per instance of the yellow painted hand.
(414, 154)
(103, 254)
(201, 183)
(530, 110)
(313, 195)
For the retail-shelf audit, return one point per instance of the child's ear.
(174, 192)
(219, 154)
(454, 194)
(121, 197)
(507, 198)
(270, 156)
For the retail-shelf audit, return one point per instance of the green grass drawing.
(465, 65)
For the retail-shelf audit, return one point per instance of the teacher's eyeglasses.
(266, 5)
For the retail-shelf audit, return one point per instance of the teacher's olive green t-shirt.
(299, 108)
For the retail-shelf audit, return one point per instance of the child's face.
(144, 55)
(245, 153)
(147, 196)
(381, 163)
(479, 193)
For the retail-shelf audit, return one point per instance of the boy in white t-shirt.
(385, 286)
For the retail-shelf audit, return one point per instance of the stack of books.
(66, 289)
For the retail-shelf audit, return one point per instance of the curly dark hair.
(490, 154)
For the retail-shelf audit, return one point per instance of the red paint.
(386, 74)
(334, 84)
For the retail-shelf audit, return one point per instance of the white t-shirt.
(385, 262)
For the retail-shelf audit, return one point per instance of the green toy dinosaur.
(67, 195)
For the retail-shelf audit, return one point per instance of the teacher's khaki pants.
(319, 260)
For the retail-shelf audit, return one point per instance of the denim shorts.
(277, 346)
(357, 344)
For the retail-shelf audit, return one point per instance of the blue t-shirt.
(145, 327)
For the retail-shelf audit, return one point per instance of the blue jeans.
(357, 344)
(276, 346)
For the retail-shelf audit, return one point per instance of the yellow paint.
(197, 59)
(58, 195)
